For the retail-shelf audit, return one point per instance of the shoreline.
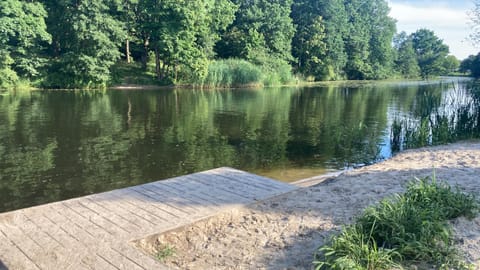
(285, 231)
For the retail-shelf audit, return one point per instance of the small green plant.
(164, 252)
(406, 229)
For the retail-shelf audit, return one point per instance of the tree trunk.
(127, 51)
(145, 54)
(157, 64)
(163, 70)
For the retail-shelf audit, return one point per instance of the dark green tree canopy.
(23, 34)
(261, 29)
(406, 60)
(86, 41)
(430, 51)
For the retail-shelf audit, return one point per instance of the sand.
(284, 232)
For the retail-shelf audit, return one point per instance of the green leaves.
(22, 35)
(86, 42)
(262, 29)
(430, 52)
(337, 39)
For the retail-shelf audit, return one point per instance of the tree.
(406, 60)
(471, 65)
(382, 30)
(368, 43)
(336, 29)
(262, 30)
(182, 34)
(451, 63)
(22, 36)
(430, 52)
(318, 45)
(86, 41)
(309, 47)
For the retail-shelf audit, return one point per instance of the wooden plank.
(23, 242)
(88, 227)
(129, 211)
(199, 195)
(175, 199)
(227, 188)
(156, 207)
(164, 200)
(115, 258)
(12, 254)
(58, 248)
(185, 201)
(114, 217)
(94, 261)
(212, 191)
(73, 246)
(103, 222)
(135, 255)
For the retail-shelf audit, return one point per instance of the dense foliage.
(471, 65)
(73, 44)
(22, 36)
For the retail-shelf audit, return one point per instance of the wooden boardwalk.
(96, 231)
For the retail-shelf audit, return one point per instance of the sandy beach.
(285, 231)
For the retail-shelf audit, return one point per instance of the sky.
(449, 20)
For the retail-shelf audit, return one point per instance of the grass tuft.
(406, 229)
(165, 252)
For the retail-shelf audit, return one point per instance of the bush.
(406, 229)
(276, 72)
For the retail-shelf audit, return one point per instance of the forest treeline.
(87, 43)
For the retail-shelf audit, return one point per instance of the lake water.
(61, 144)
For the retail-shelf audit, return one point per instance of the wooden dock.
(96, 231)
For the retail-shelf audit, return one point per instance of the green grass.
(165, 252)
(405, 230)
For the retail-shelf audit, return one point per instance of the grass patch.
(405, 230)
(241, 73)
(164, 252)
(232, 73)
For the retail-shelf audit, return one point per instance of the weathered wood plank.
(220, 195)
(95, 261)
(138, 200)
(86, 212)
(228, 188)
(11, 254)
(128, 211)
(188, 203)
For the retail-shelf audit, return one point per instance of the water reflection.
(62, 144)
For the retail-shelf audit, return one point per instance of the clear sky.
(447, 18)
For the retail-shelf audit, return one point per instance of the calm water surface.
(62, 144)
